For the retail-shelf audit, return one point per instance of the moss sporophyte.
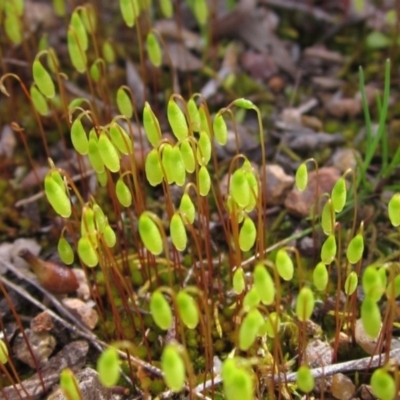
(191, 285)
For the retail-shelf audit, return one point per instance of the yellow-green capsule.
(76, 54)
(153, 49)
(177, 120)
(124, 103)
(57, 197)
(150, 234)
(43, 79)
(108, 153)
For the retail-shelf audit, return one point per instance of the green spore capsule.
(194, 115)
(160, 310)
(320, 276)
(204, 126)
(77, 55)
(200, 10)
(100, 219)
(52, 60)
(220, 130)
(80, 30)
(93, 153)
(86, 252)
(166, 8)
(124, 103)
(273, 324)
(371, 317)
(238, 383)
(339, 195)
(328, 250)
(153, 49)
(305, 380)
(43, 79)
(394, 210)
(253, 187)
(65, 251)
(129, 10)
(355, 249)
(3, 352)
(109, 236)
(238, 283)
(301, 179)
(13, 28)
(88, 227)
(305, 304)
(187, 208)
(247, 234)
(57, 196)
(121, 139)
(108, 52)
(252, 299)
(383, 385)
(188, 310)
(108, 153)
(351, 283)
(179, 166)
(178, 232)
(177, 120)
(204, 181)
(167, 160)
(16, 6)
(89, 19)
(95, 72)
(151, 125)
(264, 284)
(328, 218)
(284, 265)
(59, 7)
(39, 101)
(372, 283)
(69, 385)
(393, 288)
(102, 178)
(239, 188)
(108, 367)
(79, 138)
(249, 328)
(150, 234)
(152, 167)
(204, 148)
(188, 156)
(123, 193)
(173, 368)
(244, 103)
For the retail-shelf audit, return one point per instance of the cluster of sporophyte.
(157, 269)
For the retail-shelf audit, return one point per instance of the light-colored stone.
(342, 387)
(89, 385)
(43, 322)
(41, 345)
(300, 203)
(278, 184)
(318, 353)
(343, 159)
(83, 311)
(368, 344)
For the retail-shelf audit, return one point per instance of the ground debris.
(72, 356)
(89, 386)
(40, 344)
